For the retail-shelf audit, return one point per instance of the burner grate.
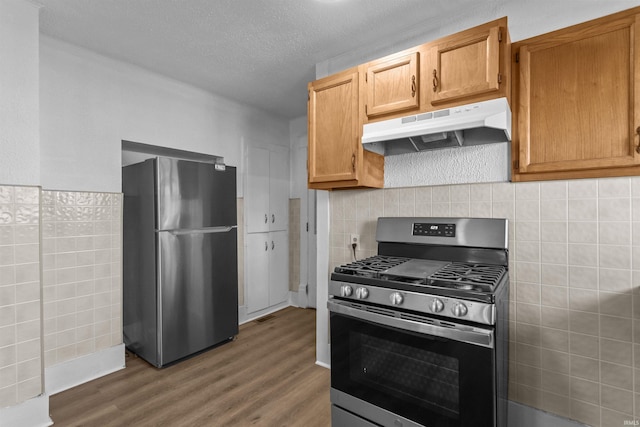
(370, 267)
(470, 276)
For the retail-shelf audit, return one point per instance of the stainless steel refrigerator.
(180, 290)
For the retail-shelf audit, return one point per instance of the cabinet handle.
(413, 86)
(273, 218)
(266, 246)
(266, 218)
(435, 80)
(353, 162)
(273, 245)
(638, 146)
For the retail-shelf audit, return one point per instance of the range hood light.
(474, 124)
(433, 137)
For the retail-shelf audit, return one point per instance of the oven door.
(401, 369)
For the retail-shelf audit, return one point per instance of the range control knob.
(346, 290)
(459, 309)
(362, 293)
(437, 305)
(396, 298)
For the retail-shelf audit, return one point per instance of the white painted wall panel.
(89, 103)
(19, 136)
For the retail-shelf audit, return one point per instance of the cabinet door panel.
(465, 66)
(278, 268)
(257, 271)
(257, 190)
(333, 128)
(576, 99)
(278, 191)
(392, 85)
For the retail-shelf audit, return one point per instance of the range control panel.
(428, 229)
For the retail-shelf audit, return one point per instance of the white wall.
(90, 103)
(526, 19)
(20, 149)
(298, 143)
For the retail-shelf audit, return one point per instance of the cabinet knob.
(266, 246)
(273, 218)
(413, 86)
(266, 218)
(435, 80)
(638, 146)
(273, 245)
(353, 162)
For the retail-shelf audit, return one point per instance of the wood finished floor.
(266, 377)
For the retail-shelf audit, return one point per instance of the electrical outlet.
(355, 239)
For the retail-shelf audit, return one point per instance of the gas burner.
(370, 267)
(467, 276)
(464, 286)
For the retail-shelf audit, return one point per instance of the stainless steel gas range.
(419, 332)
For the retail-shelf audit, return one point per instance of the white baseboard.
(244, 317)
(30, 413)
(78, 371)
(324, 365)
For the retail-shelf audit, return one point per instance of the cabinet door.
(334, 137)
(278, 268)
(464, 65)
(278, 190)
(257, 271)
(577, 99)
(257, 190)
(392, 85)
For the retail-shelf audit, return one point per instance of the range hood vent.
(484, 122)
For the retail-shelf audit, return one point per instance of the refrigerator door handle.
(206, 230)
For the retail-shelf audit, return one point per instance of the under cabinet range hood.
(472, 124)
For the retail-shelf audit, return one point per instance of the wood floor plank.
(266, 377)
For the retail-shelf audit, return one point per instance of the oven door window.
(431, 380)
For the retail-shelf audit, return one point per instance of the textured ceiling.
(258, 52)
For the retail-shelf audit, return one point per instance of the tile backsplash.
(81, 273)
(20, 331)
(60, 282)
(575, 279)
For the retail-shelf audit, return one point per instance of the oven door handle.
(468, 334)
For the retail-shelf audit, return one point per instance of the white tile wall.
(82, 273)
(20, 343)
(575, 282)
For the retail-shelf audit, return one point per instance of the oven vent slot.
(400, 315)
(427, 320)
(379, 310)
(417, 318)
(448, 325)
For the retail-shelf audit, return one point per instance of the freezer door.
(198, 290)
(194, 195)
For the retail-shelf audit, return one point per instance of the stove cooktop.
(478, 278)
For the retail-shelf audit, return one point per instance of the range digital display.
(441, 230)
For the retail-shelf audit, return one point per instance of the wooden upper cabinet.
(335, 154)
(392, 84)
(576, 101)
(468, 66)
(333, 128)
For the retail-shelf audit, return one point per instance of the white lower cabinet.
(267, 270)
